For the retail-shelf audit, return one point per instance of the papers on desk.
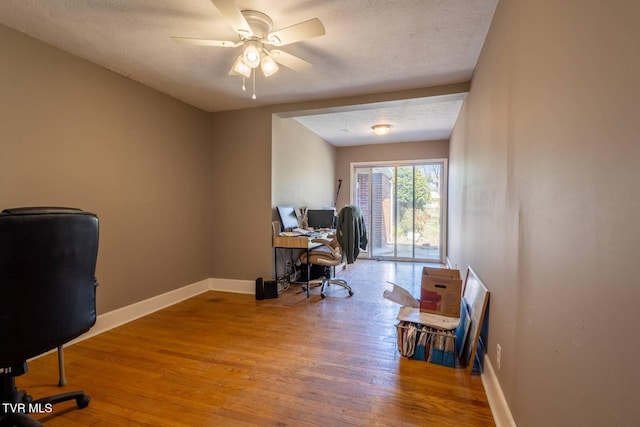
(297, 232)
(290, 234)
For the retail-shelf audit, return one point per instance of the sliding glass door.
(403, 208)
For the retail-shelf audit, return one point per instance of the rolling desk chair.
(351, 237)
(329, 255)
(47, 296)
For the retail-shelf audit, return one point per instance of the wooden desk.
(295, 242)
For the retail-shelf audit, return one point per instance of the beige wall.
(544, 201)
(241, 216)
(303, 166)
(383, 152)
(75, 134)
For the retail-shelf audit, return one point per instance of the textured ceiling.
(370, 46)
(419, 119)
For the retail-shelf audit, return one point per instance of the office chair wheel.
(350, 293)
(323, 295)
(83, 401)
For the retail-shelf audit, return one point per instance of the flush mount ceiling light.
(254, 31)
(381, 129)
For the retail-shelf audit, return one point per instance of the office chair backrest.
(47, 279)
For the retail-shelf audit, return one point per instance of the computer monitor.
(288, 217)
(320, 218)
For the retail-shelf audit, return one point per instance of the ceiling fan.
(255, 35)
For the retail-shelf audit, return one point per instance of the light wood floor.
(223, 359)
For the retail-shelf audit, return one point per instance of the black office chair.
(47, 296)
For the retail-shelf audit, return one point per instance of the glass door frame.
(443, 199)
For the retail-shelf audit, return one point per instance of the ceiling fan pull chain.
(244, 88)
(254, 85)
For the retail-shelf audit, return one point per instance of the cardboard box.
(441, 291)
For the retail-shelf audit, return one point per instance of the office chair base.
(339, 282)
(82, 400)
(313, 283)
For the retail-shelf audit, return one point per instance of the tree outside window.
(408, 188)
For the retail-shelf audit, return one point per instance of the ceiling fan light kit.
(268, 65)
(251, 55)
(381, 129)
(241, 68)
(254, 30)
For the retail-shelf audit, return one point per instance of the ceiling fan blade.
(298, 32)
(233, 16)
(205, 42)
(289, 60)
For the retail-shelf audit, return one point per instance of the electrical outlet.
(498, 355)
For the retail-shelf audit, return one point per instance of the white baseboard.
(498, 404)
(235, 286)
